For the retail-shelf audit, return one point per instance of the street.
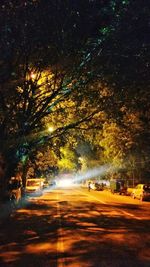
(76, 228)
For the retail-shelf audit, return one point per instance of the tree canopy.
(81, 67)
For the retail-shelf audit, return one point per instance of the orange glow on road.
(71, 227)
(40, 248)
(9, 253)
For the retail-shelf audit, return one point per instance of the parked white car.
(142, 192)
(34, 187)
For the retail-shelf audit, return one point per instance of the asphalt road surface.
(71, 227)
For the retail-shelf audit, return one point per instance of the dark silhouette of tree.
(72, 65)
(42, 72)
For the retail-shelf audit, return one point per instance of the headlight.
(65, 183)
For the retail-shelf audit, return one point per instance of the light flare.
(65, 183)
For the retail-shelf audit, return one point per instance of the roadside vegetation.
(74, 87)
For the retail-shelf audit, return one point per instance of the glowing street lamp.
(32, 75)
(50, 129)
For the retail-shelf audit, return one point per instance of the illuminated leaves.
(68, 161)
(133, 121)
(116, 141)
(45, 159)
(64, 62)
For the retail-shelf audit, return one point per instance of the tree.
(38, 78)
(68, 160)
(116, 142)
(51, 78)
(43, 163)
(121, 56)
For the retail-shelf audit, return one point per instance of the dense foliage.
(81, 68)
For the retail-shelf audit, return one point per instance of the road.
(76, 228)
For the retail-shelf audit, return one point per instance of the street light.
(32, 75)
(50, 129)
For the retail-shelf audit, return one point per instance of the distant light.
(50, 129)
(32, 75)
(65, 183)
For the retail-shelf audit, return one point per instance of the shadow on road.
(93, 235)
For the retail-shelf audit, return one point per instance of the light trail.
(66, 180)
(94, 172)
